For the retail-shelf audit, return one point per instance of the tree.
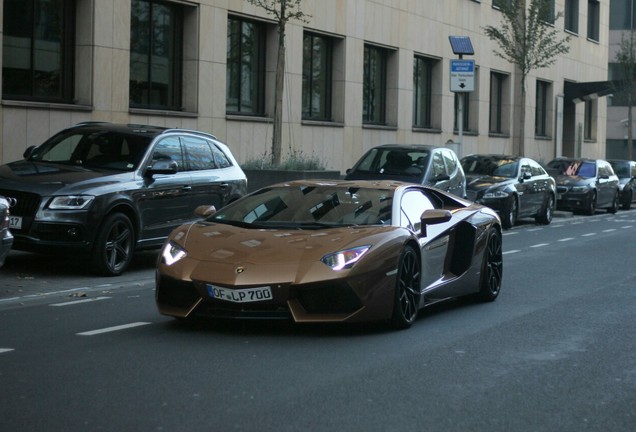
(626, 84)
(527, 39)
(282, 11)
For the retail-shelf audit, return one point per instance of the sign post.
(462, 78)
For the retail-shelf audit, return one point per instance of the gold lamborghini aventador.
(331, 251)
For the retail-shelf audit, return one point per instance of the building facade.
(622, 22)
(358, 73)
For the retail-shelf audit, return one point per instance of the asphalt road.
(555, 352)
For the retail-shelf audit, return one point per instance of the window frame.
(593, 20)
(571, 16)
(375, 71)
(174, 94)
(325, 74)
(541, 108)
(67, 35)
(257, 98)
(423, 70)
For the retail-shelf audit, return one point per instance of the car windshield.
(573, 168)
(621, 169)
(392, 161)
(94, 149)
(310, 207)
(490, 166)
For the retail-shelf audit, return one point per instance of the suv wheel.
(114, 246)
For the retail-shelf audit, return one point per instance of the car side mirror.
(526, 176)
(162, 166)
(442, 177)
(28, 151)
(433, 217)
(204, 211)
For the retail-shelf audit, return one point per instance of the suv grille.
(26, 203)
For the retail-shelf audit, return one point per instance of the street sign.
(462, 76)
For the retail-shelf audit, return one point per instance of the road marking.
(540, 245)
(626, 227)
(534, 229)
(79, 301)
(511, 252)
(510, 233)
(588, 234)
(609, 230)
(112, 329)
(5, 350)
(9, 299)
(566, 239)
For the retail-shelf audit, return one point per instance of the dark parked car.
(626, 172)
(583, 185)
(6, 238)
(103, 190)
(338, 251)
(515, 187)
(433, 166)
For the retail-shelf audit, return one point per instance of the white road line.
(534, 229)
(510, 233)
(9, 299)
(112, 329)
(588, 234)
(5, 350)
(609, 230)
(540, 245)
(79, 301)
(511, 252)
(566, 239)
(626, 227)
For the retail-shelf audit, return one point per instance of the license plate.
(246, 295)
(15, 222)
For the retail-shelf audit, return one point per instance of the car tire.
(114, 246)
(491, 268)
(509, 215)
(614, 207)
(627, 201)
(407, 289)
(547, 211)
(591, 207)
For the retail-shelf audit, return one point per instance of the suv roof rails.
(90, 122)
(192, 131)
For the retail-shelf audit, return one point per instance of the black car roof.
(131, 128)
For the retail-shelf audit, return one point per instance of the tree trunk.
(278, 92)
(519, 144)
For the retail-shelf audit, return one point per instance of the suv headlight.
(344, 258)
(71, 202)
(496, 194)
(579, 189)
(172, 253)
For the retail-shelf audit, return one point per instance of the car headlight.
(344, 259)
(496, 194)
(172, 253)
(579, 189)
(71, 202)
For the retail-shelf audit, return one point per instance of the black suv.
(429, 165)
(104, 190)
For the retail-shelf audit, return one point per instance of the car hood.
(564, 180)
(244, 256)
(483, 182)
(50, 178)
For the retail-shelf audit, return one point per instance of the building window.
(374, 85)
(465, 111)
(38, 50)
(422, 91)
(549, 13)
(245, 67)
(541, 112)
(593, 17)
(622, 15)
(317, 77)
(497, 91)
(156, 52)
(571, 15)
(499, 4)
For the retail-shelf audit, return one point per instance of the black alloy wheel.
(407, 289)
(614, 208)
(114, 247)
(627, 200)
(509, 216)
(591, 206)
(547, 211)
(492, 268)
